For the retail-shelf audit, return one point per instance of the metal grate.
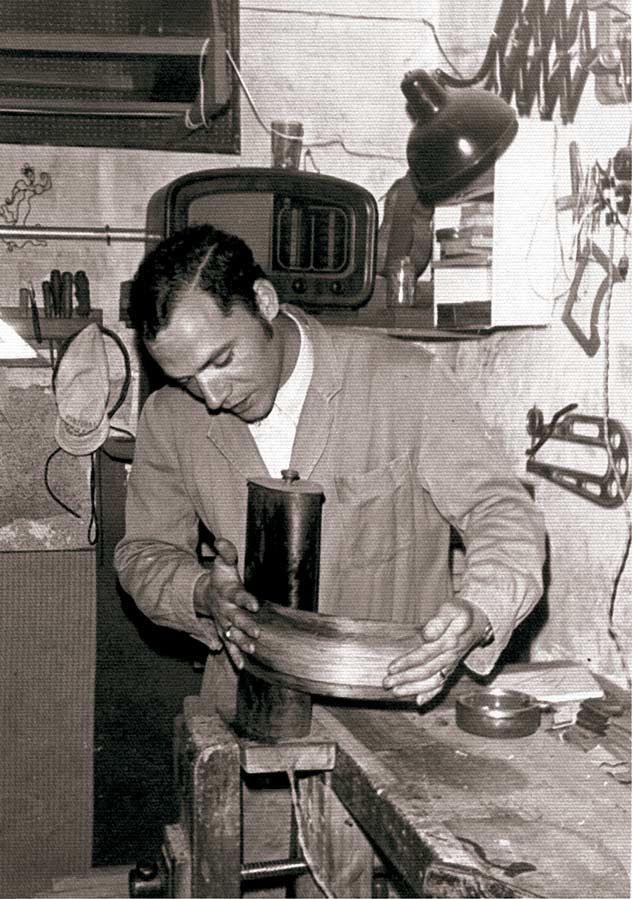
(313, 238)
(129, 86)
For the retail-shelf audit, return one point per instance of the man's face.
(230, 362)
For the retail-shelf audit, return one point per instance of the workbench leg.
(342, 856)
(209, 777)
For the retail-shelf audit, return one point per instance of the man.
(400, 452)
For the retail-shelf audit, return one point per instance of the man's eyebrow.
(209, 361)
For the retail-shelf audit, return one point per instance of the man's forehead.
(196, 316)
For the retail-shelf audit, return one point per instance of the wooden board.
(209, 781)
(305, 754)
(324, 688)
(337, 849)
(108, 882)
(328, 654)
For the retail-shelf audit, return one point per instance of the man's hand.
(220, 595)
(455, 629)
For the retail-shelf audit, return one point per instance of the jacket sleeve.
(469, 477)
(156, 560)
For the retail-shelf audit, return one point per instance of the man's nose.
(215, 391)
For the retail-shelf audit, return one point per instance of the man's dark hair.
(203, 257)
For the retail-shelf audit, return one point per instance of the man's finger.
(235, 654)
(245, 623)
(226, 551)
(245, 600)
(449, 617)
(435, 628)
(420, 673)
(424, 697)
(426, 654)
(235, 636)
(425, 687)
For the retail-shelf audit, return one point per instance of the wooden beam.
(209, 778)
(334, 844)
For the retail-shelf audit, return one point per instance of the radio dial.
(299, 285)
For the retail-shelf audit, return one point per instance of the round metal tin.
(498, 713)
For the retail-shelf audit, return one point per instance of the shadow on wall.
(143, 674)
(519, 647)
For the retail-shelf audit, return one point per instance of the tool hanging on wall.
(517, 62)
(82, 294)
(590, 343)
(609, 489)
(601, 191)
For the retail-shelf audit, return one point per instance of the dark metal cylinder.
(281, 565)
(283, 529)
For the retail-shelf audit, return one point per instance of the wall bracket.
(588, 430)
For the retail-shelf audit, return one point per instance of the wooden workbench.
(453, 814)
(458, 814)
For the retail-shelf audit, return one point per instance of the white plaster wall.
(341, 78)
(511, 371)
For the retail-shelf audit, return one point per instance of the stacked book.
(462, 258)
(610, 720)
(471, 242)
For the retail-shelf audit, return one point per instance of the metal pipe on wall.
(104, 232)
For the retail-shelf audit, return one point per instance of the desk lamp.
(458, 135)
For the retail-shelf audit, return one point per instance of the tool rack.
(52, 330)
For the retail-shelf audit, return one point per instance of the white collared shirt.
(274, 434)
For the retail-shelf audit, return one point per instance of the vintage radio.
(314, 235)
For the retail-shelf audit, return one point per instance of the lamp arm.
(509, 12)
(447, 80)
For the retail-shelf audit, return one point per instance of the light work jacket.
(401, 453)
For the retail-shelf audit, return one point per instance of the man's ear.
(267, 299)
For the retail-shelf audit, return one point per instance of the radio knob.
(299, 285)
(337, 288)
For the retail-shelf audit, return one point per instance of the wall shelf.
(410, 323)
(53, 333)
(100, 44)
(57, 329)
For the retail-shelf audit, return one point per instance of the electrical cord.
(612, 630)
(590, 202)
(360, 18)
(334, 141)
(189, 124)
(93, 527)
(554, 298)
(50, 490)
(309, 155)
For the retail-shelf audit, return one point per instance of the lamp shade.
(458, 134)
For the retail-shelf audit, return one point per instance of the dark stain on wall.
(27, 440)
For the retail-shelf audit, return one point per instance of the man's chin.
(251, 414)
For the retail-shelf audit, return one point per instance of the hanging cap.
(82, 385)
